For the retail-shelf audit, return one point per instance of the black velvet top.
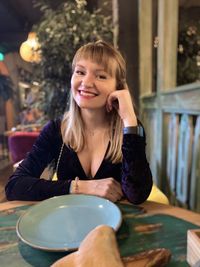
(25, 184)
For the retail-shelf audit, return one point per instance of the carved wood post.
(166, 69)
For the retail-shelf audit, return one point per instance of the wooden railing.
(172, 123)
(183, 151)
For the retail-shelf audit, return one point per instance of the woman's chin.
(92, 108)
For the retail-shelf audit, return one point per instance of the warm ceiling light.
(29, 50)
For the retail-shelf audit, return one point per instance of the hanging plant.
(6, 90)
(61, 31)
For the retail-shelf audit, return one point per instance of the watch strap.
(134, 130)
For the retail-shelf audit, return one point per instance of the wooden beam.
(145, 46)
(167, 48)
(115, 15)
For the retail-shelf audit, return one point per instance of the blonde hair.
(72, 127)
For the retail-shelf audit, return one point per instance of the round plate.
(61, 223)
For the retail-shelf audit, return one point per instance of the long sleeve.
(136, 174)
(25, 183)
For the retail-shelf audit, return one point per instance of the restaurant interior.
(160, 41)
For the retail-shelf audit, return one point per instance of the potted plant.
(61, 31)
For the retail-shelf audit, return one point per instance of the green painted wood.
(168, 232)
(150, 124)
(195, 175)
(184, 158)
(172, 144)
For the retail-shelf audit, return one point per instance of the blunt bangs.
(98, 53)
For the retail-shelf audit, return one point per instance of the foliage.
(189, 53)
(6, 91)
(61, 31)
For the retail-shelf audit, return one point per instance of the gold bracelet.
(76, 185)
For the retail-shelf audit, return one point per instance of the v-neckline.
(81, 167)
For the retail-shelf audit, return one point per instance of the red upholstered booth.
(20, 143)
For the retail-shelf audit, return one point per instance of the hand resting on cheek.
(121, 101)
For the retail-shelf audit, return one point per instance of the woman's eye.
(101, 77)
(79, 72)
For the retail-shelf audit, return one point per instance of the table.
(150, 207)
(171, 225)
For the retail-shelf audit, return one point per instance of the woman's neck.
(94, 119)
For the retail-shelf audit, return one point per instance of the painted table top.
(144, 227)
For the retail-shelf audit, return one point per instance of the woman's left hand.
(121, 101)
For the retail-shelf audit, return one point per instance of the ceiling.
(16, 20)
(18, 16)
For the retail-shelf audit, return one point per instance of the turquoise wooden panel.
(179, 100)
(184, 158)
(195, 175)
(151, 129)
(172, 150)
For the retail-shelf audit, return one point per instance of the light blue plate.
(61, 223)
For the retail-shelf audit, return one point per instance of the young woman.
(98, 145)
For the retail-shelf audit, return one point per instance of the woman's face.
(91, 84)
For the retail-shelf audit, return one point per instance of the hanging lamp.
(29, 50)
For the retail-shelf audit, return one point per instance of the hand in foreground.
(107, 188)
(98, 249)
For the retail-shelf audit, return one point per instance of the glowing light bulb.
(30, 49)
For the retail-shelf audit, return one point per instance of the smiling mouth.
(87, 93)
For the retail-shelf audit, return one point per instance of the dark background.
(17, 18)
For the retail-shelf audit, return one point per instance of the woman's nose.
(88, 80)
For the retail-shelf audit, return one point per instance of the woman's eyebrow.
(78, 65)
(81, 66)
(101, 70)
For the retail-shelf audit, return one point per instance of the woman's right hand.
(107, 188)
